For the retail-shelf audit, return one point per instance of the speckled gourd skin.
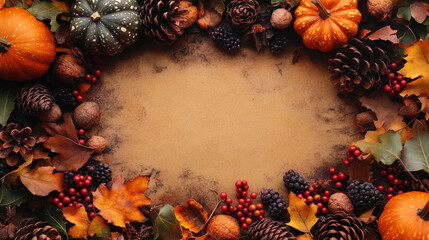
(117, 27)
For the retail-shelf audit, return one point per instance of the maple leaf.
(191, 216)
(79, 217)
(41, 181)
(417, 66)
(121, 203)
(416, 149)
(387, 150)
(385, 33)
(99, 228)
(302, 217)
(166, 226)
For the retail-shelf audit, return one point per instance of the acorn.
(68, 69)
(52, 116)
(97, 143)
(380, 9)
(87, 115)
(340, 202)
(281, 18)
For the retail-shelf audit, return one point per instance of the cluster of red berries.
(315, 196)
(77, 95)
(93, 69)
(245, 211)
(353, 153)
(81, 136)
(397, 182)
(396, 83)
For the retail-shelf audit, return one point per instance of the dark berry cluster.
(396, 82)
(226, 38)
(65, 99)
(100, 172)
(363, 195)
(245, 211)
(294, 182)
(278, 43)
(274, 201)
(353, 153)
(397, 178)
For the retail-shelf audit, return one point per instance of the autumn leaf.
(166, 226)
(302, 217)
(210, 18)
(387, 150)
(361, 170)
(365, 216)
(419, 11)
(191, 216)
(41, 181)
(425, 105)
(417, 66)
(416, 149)
(44, 10)
(12, 179)
(305, 237)
(99, 228)
(79, 217)
(65, 128)
(121, 203)
(55, 218)
(385, 33)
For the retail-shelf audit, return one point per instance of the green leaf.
(416, 149)
(166, 225)
(54, 217)
(277, 1)
(8, 93)
(387, 150)
(43, 10)
(405, 13)
(10, 197)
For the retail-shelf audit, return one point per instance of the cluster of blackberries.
(363, 194)
(100, 172)
(226, 38)
(65, 99)
(274, 201)
(278, 43)
(294, 182)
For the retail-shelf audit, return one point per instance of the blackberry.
(226, 38)
(100, 173)
(363, 194)
(68, 178)
(266, 15)
(65, 99)
(274, 201)
(295, 182)
(278, 43)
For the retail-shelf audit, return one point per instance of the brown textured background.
(198, 119)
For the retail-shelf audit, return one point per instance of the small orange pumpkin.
(27, 47)
(406, 216)
(326, 24)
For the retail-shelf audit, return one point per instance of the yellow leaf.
(191, 216)
(11, 179)
(417, 66)
(121, 203)
(302, 217)
(79, 217)
(305, 237)
(41, 181)
(99, 228)
(61, 5)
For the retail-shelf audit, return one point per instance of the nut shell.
(52, 116)
(223, 227)
(98, 143)
(380, 9)
(68, 69)
(281, 18)
(87, 115)
(339, 202)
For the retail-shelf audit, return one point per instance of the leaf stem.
(323, 12)
(4, 45)
(424, 212)
(414, 178)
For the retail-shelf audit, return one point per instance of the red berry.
(79, 184)
(78, 194)
(72, 191)
(239, 190)
(253, 195)
(327, 193)
(406, 182)
(307, 193)
(338, 184)
(239, 214)
(94, 80)
(72, 198)
(346, 163)
(90, 207)
(244, 194)
(61, 195)
(70, 205)
(88, 77)
(394, 82)
(246, 205)
(60, 205)
(244, 183)
(66, 200)
(81, 131)
(241, 201)
(238, 184)
(244, 226)
(341, 176)
(89, 178)
(98, 72)
(55, 201)
(76, 178)
(87, 199)
(259, 206)
(383, 173)
(299, 195)
(389, 169)
(389, 196)
(356, 153)
(228, 201)
(231, 208)
(352, 148)
(222, 195)
(393, 65)
(309, 199)
(250, 214)
(261, 217)
(380, 188)
(399, 77)
(84, 191)
(403, 83)
(87, 183)
(81, 142)
(224, 208)
(79, 98)
(248, 220)
(240, 207)
(387, 88)
(238, 195)
(397, 88)
(324, 210)
(242, 219)
(391, 75)
(245, 188)
(335, 177)
(390, 189)
(400, 192)
(92, 215)
(332, 170)
(79, 200)
(395, 181)
(319, 205)
(248, 200)
(75, 93)
(351, 159)
(228, 213)
(305, 201)
(245, 210)
(390, 177)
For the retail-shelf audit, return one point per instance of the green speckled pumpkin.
(105, 26)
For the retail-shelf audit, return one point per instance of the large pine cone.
(267, 229)
(34, 100)
(341, 226)
(242, 13)
(32, 229)
(16, 143)
(359, 67)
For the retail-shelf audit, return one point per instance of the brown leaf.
(419, 11)
(79, 217)
(62, 35)
(66, 129)
(210, 18)
(258, 35)
(361, 170)
(385, 33)
(365, 216)
(188, 14)
(72, 155)
(120, 204)
(191, 216)
(41, 181)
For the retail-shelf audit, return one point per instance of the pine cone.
(341, 226)
(32, 229)
(267, 229)
(16, 143)
(242, 13)
(145, 232)
(359, 67)
(34, 100)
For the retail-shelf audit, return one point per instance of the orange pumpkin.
(326, 24)
(27, 47)
(406, 216)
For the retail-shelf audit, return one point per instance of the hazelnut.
(87, 115)
(380, 9)
(340, 202)
(52, 116)
(281, 18)
(98, 143)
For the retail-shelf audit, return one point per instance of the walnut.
(281, 18)
(98, 143)
(340, 202)
(87, 115)
(380, 9)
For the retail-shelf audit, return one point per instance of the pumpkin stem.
(424, 212)
(323, 12)
(95, 16)
(4, 45)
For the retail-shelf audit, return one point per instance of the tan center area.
(198, 119)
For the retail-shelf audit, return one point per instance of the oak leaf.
(417, 66)
(416, 149)
(302, 217)
(191, 216)
(387, 150)
(120, 204)
(41, 181)
(79, 217)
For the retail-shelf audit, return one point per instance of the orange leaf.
(187, 14)
(417, 66)
(121, 203)
(99, 228)
(305, 237)
(191, 216)
(83, 87)
(302, 217)
(79, 217)
(210, 18)
(41, 181)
